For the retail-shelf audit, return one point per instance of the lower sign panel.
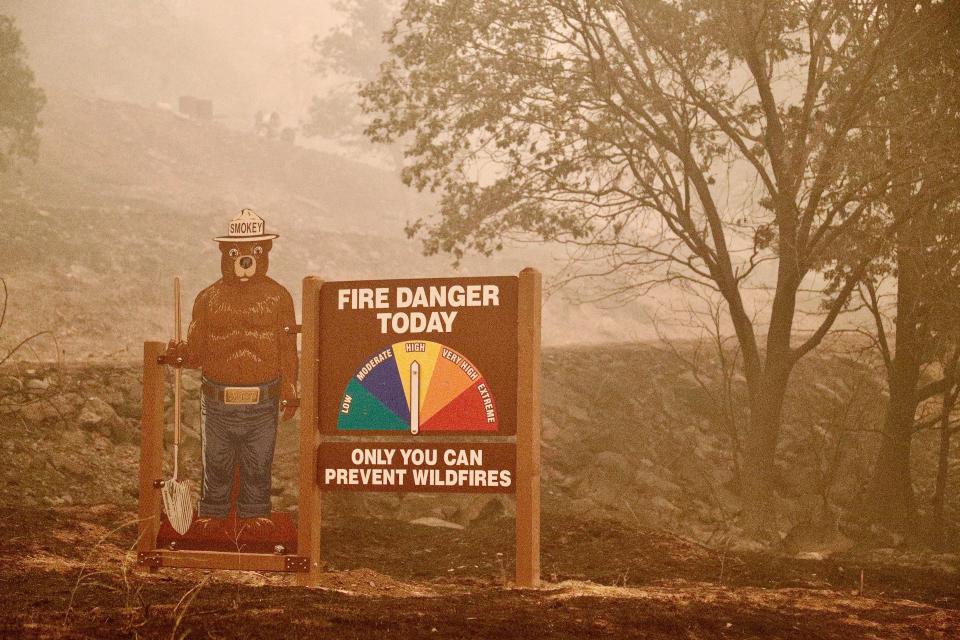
(432, 467)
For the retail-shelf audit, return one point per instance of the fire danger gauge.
(418, 386)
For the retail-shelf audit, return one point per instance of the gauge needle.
(414, 397)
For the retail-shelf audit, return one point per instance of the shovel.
(176, 492)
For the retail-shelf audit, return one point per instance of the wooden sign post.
(308, 528)
(528, 429)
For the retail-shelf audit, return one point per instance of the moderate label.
(419, 357)
(434, 467)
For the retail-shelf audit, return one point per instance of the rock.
(124, 430)
(615, 465)
(549, 429)
(479, 507)
(814, 538)
(437, 522)
(38, 384)
(578, 412)
(135, 396)
(67, 403)
(419, 505)
(591, 509)
(662, 504)
(38, 411)
(606, 481)
(650, 482)
(73, 467)
(689, 379)
(97, 414)
(112, 396)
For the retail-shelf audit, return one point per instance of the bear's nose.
(246, 262)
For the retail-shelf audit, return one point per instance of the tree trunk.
(890, 500)
(759, 453)
(938, 527)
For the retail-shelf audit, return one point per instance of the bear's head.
(244, 261)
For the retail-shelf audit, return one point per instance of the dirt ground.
(69, 572)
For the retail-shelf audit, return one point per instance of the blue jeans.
(233, 434)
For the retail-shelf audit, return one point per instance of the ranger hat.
(247, 227)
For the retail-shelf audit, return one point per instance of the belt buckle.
(241, 395)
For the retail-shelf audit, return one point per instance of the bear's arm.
(289, 363)
(196, 334)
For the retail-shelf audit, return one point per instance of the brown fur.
(236, 334)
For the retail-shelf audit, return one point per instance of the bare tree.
(698, 143)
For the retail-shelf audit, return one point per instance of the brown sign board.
(432, 467)
(419, 357)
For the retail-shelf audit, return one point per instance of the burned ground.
(70, 573)
(639, 527)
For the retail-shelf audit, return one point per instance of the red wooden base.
(233, 535)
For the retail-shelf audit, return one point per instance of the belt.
(241, 394)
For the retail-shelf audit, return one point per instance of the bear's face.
(244, 261)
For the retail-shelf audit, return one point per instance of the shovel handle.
(177, 374)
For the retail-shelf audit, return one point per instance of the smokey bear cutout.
(243, 340)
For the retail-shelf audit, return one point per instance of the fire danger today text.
(393, 303)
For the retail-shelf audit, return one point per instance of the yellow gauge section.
(426, 354)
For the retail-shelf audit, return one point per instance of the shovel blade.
(177, 505)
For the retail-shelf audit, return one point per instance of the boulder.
(38, 411)
(549, 429)
(67, 403)
(97, 415)
(71, 466)
(38, 384)
(650, 482)
(608, 481)
(436, 522)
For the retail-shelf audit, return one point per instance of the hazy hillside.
(629, 434)
(125, 197)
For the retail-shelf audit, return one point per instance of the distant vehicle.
(198, 108)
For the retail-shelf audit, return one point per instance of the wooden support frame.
(151, 446)
(308, 526)
(306, 564)
(528, 429)
(222, 560)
